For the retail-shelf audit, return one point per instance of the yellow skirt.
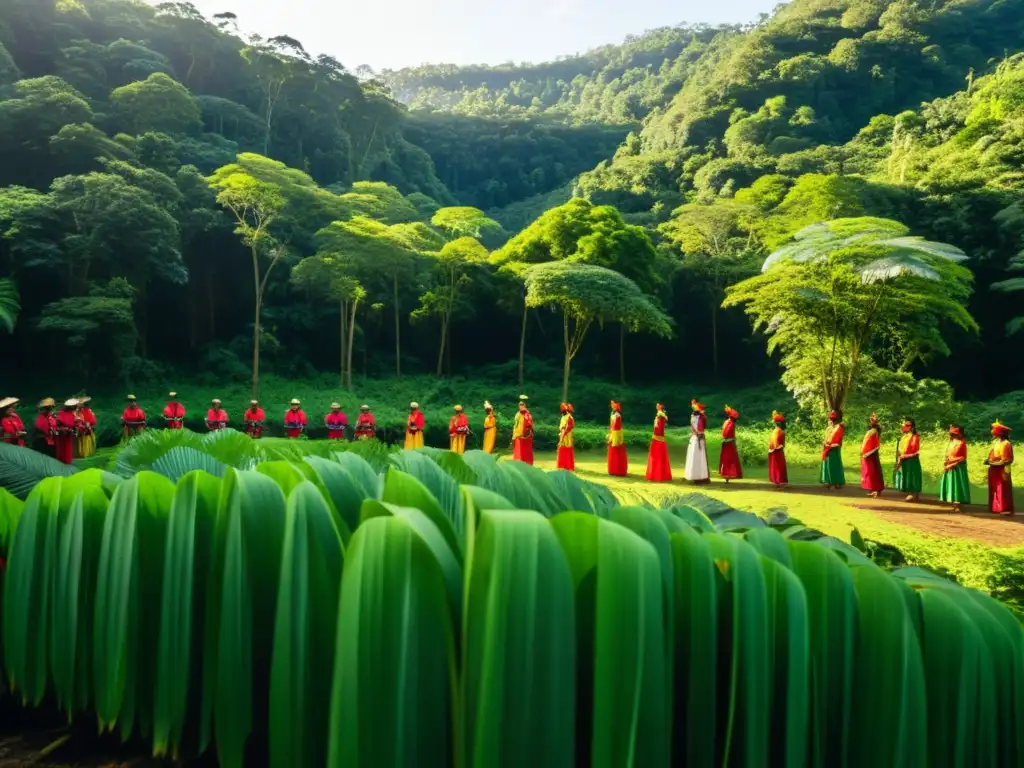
(86, 445)
(490, 437)
(458, 443)
(413, 440)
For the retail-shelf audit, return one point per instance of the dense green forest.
(171, 191)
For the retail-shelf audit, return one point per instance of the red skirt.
(522, 450)
(293, 434)
(777, 472)
(659, 468)
(871, 478)
(567, 459)
(65, 448)
(729, 462)
(617, 462)
(1000, 491)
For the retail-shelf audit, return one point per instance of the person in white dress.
(697, 452)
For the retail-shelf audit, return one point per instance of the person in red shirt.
(659, 468)
(366, 425)
(729, 459)
(522, 433)
(778, 473)
(86, 443)
(10, 422)
(294, 420)
(254, 418)
(336, 422)
(46, 428)
(458, 431)
(566, 440)
(415, 423)
(216, 417)
(618, 463)
(999, 461)
(871, 478)
(66, 432)
(174, 412)
(133, 418)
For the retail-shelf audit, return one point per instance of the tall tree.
(586, 295)
(852, 292)
(255, 205)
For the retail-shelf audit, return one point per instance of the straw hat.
(335, 406)
(7, 402)
(84, 399)
(414, 405)
(254, 402)
(216, 401)
(364, 407)
(172, 394)
(523, 398)
(295, 401)
(130, 397)
(458, 408)
(71, 403)
(47, 402)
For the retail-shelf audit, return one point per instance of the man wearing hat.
(458, 430)
(174, 412)
(522, 433)
(366, 424)
(490, 429)
(86, 427)
(133, 418)
(66, 432)
(337, 422)
(999, 461)
(10, 422)
(216, 417)
(294, 420)
(44, 440)
(254, 418)
(414, 426)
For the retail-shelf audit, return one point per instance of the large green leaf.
(404, 490)
(181, 460)
(22, 469)
(392, 697)
(143, 450)
(439, 483)
(519, 682)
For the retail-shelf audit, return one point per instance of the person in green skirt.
(955, 488)
(907, 477)
(832, 475)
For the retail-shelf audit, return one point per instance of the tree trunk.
(398, 340)
(440, 353)
(344, 336)
(714, 340)
(256, 326)
(567, 363)
(622, 355)
(522, 343)
(351, 339)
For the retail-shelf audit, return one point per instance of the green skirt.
(908, 477)
(955, 485)
(832, 468)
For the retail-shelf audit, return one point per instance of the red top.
(66, 422)
(134, 416)
(216, 418)
(777, 439)
(835, 438)
(17, 420)
(254, 414)
(458, 424)
(415, 422)
(365, 423)
(46, 424)
(956, 453)
(871, 443)
(87, 419)
(616, 422)
(659, 425)
(729, 430)
(336, 423)
(175, 411)
(294, 419)
(10, 430)
(702, 423)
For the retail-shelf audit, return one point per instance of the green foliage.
(157, 103)
(853, 290)
(9, 304)
(231, 582)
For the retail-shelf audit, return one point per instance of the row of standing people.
(954, 488)
(62, 433)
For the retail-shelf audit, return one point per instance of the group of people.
(62, 434)
(69, 431)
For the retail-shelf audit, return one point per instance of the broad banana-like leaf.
(179, 461)
(439, 483)
(404, 490)
(22, 469)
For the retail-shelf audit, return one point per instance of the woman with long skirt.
(729, 459)
(777, 471)
(86, 428)
(618, 464)
(871, 479)
(566, 449)
(832, 474)
(908, 478)
(697, 451)
(956, 487)
(999, 461)
(659, 468)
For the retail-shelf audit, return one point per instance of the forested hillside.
(156, 166)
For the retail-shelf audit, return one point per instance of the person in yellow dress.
(414, 426)
(458, 430)
(490, 428)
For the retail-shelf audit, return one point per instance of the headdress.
(71, 403)
(295, 401)
(131, 397)
(47, 402)
(488, 406)
(170, 394)
(413, 405)
(569, 406)
(364, 407)
(7, 402)
(697, 406)
(954, 429)
(254, 402)
(616, 406)
(998, 428)
(731, 412)
(216, 401)
(458, 408)
(834, 416)
(873, 420)
(777, 417)
(523, 398)
(335, 405)
(564, 407)
(84, 399)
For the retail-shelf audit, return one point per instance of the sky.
(391, 34)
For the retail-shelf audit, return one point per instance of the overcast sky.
(403, 33)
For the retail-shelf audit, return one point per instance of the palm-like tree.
(9, 304)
